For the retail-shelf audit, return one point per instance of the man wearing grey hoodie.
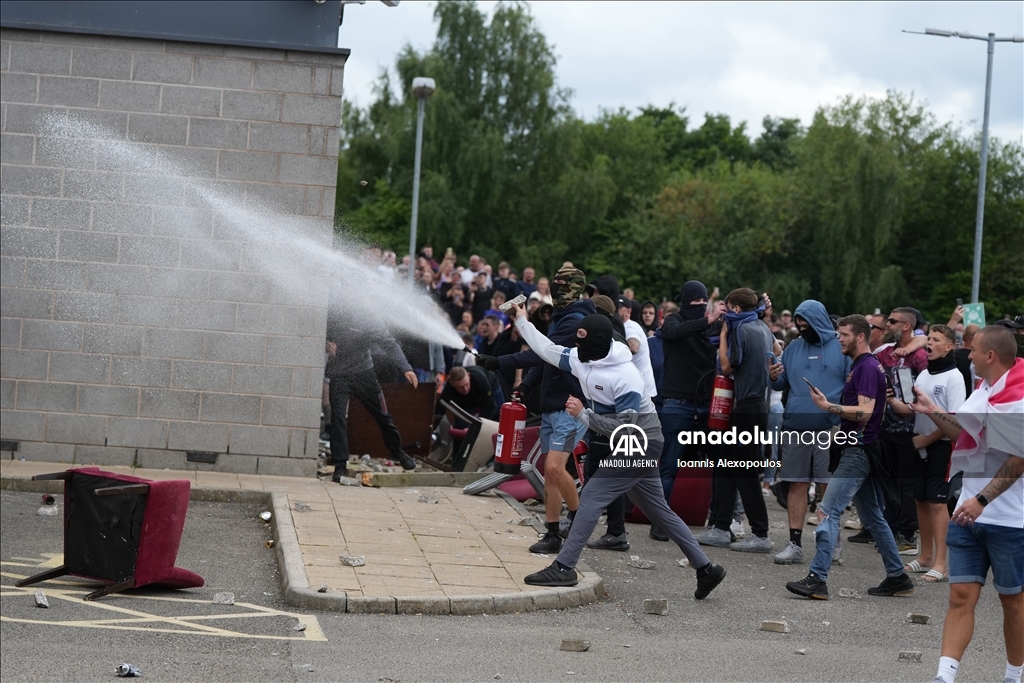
(815, 357)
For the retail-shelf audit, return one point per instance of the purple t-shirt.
(867, 378)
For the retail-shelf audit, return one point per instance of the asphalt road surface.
(183, 636)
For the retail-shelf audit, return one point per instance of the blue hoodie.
(824, 366)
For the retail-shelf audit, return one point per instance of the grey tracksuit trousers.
(646, 491)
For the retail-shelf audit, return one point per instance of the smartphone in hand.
(813, 388)
(906, 382)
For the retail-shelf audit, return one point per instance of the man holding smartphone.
(860, 412)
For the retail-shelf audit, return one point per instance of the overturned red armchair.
(121, 530)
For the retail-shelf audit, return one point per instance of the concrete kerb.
(296, 587)
(298, 593)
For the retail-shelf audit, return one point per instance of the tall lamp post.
(979, 220)
(422, 88)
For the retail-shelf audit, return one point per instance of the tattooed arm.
(1011, 471)
(946, 423)
(859, 413)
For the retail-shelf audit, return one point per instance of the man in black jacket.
(470, 388)
(559, 431)
(689, 375)
(350, 369)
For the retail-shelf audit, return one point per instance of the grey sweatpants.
(646, 492)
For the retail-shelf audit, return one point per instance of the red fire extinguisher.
(508, 450)
(578, 456)
(721, 403)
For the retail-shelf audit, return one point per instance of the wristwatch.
(982, 499)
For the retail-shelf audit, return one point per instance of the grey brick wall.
(136, 322)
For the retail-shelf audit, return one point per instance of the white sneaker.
(853, 523)
(791, 554)
(736, 528)
(812, 519)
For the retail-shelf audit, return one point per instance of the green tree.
(871, 205)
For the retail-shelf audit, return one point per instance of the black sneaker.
(551, 542)
(552, 576)
(408, 462)
(339, 472)
(714, 576)
(893, 585)
(609, 542)
(862, 536)
(810, 587)
(657, 533)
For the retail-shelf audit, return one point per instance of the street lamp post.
(422, 88)
(979, 220)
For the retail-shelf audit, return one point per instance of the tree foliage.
(871, 205)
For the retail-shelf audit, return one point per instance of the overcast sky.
(747, 60)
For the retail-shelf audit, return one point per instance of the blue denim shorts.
(560, 431)
(974, 549)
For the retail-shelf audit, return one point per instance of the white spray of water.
(289, 259)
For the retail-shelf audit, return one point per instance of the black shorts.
(930, 485)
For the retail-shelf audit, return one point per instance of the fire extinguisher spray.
(721, 403)
(508, 449)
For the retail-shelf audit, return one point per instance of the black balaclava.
(810, 335)
(594, 337)
(692, 290)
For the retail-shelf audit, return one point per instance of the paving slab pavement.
(427, 549)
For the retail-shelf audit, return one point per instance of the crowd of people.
(880, 411)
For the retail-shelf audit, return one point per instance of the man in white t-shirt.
(475, 267)
(987, 527)
(636, 340)
(944, 385)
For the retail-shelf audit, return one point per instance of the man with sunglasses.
(898, 430)
(878, 330)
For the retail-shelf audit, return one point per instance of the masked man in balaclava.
(559, 431)
(689, 377)
(625, 435)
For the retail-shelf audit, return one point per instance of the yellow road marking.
(133, 619)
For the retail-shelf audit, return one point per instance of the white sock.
(1013, 672)
(947, 669)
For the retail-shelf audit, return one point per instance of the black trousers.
(730, 480)
(598, 448)
(364, 388)
(901, 514)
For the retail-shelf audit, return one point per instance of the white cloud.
(747, 60)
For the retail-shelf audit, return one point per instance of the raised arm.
(547, 350)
